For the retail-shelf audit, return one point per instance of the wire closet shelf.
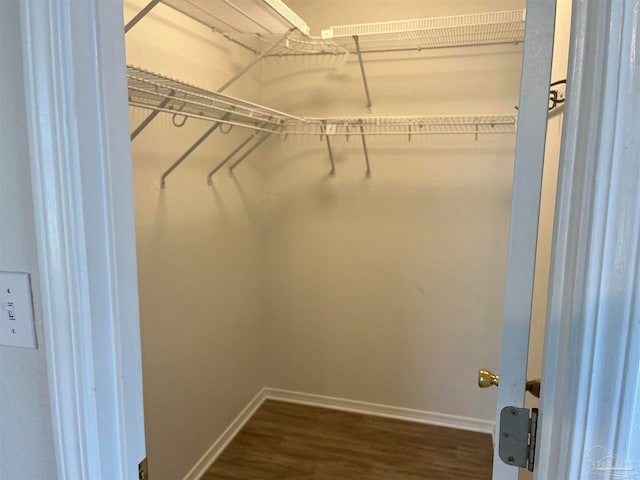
(152, 91)
(160, 93)
(489, 28)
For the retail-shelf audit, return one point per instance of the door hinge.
(517, 443)
(143, 470)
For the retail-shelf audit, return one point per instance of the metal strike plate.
(143, 470)
(513, 446)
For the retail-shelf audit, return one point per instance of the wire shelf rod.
(372, 126)
(204, 95)
(227, 84)
(203, 107)
(155, 82)
(472, 21)
(433, 130)
(204, 117)
(406, 132)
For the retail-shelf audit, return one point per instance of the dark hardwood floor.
(284, 441)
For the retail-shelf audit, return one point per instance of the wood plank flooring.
(284, 441)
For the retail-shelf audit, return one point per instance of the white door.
(525, 209)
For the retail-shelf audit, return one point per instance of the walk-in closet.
(322, 202)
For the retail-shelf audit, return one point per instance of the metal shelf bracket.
(364, 76)
(249, 152)
(329, 149)
(151, 116)
(140, 15)
(230, 156)
(191, 149)
(364, 147)
(255, 60)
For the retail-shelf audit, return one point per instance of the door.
(525, 209)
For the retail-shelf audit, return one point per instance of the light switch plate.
(17, 328)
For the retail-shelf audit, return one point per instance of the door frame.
(589, 406)
(75, 88)
(77, 118)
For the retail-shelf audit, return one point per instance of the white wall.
(199, 254)
(26, 439)
(390, 289)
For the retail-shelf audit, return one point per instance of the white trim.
(210, 456)
(77, 117)
(591, 362)
(387, 411)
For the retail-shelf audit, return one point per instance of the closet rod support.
(249, 152)
(366, 152)
(140, 15)
(229, 157)
(151, 116)
(330, 150)
(364, 75)
(191, 149)
(255, 61)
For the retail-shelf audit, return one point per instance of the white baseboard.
(201, 467)
(418, 416)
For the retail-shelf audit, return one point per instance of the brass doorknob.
(486, 378)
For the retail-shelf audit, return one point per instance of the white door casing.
(589, 411)
(525, 211)
(77, 115)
